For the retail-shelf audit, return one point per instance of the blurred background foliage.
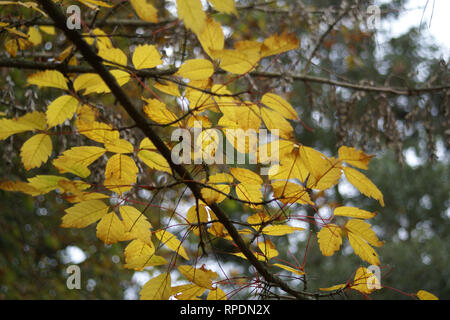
(408, 134)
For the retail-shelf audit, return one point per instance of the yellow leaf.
(36, 150)
(193, 216)
(362, 229)
(216, 294)
(34, 36)
(363, 184)
(425, 295)
(61, 109)
(19, 186)
(191, 12)
(196, 69)
(275, 121)
(324, 172)
(211, 38)
(48, 29)
(246, 176)
(268, 249)
(169, 88)
(77, 159)
(120, 173)
(93, 83)
(145, 11)
(363, 249)
(114, 55)
(136, 224)
(11, 47)
(200, 276)
(258, 219)
(213, 196)
(289, 192)
(225, 6)
(188, 292)
(146, 57)
(171, 242)
(97, 131)
(290, 269)
(276, 44)
(45, 183)
(84, 213)
(356, 158)
(277, 103)
(158, 112)
(330, 239)
(94, 3)
(48, 78)
(365, 281)
(249, 192)
(353, 212)
(139, 255)
(152, 158)
(119, 146)
(334, 288)
(237, 61)
(158, 288)
(110, 229)
(31, 121)
(99, 36)
(280, 230)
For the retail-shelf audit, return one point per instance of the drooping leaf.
(158, 112)
(136, 224)
(61, 109)
(120, 173)
(356, 158)
(330, 239)
(31, 121)
(148, 154)
(146, 57)
(353, 212)
(145, 11)
(280, 230)
(48, 78)
(363, 184)
(277, 44)
(216, 294)
(110, 229)
(277, 103)
(84, 213)
(363, 249)
(171, 242)
(77, 159)
(225, 6)
(192, 14)
(200, 276)
(290, 269)
(158, 288)
(363, 230)
(139, 255)
(425, 295)
(36, 150)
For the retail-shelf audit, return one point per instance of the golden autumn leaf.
(290, 269)
(188, 292)
(158, 288)
(145, 10)
(237, 61)
(93, 83)
(158, 112)
(84, 213)
(192, 14)
(97, 131)
(211, 38)
(136, 224)
(334, 288)
(30, 121)
(148, 154)
(114, 55)
(365, 281)
(94, 3)
(249, 192)
(110, 229)
(77, 159)
(363, 249)
(278, 104)
(363, 184)
(146, 57)
(119, 146)
(425, 295)
(353, 212)
(120, 173)
(225, 6)
(196, 69)
(200, 276)
(36, 150)
(48, 78)
(356, 158)
(48, 30)
(60, 110)
(220, 182)
(280, 230)
(171, 242)
(276, 123)
(34, 36)
(139, 255)
(277, 44)
(330, 239)
(216, 294)
(289, 192)
(195, 216)
(362, 229)
(246, 176)
(169, 88)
